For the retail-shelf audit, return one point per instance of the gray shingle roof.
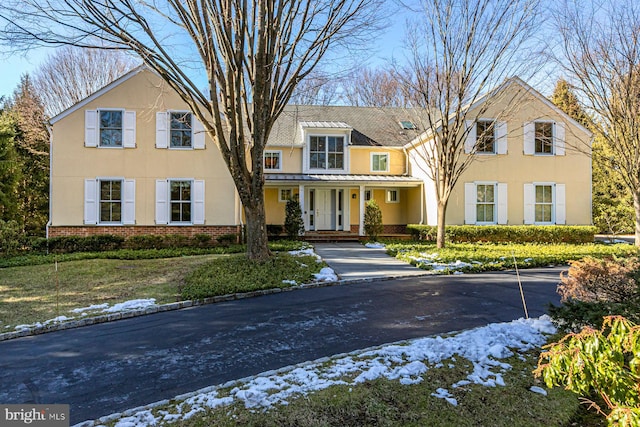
(372, 126)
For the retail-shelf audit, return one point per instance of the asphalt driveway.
(111, 367)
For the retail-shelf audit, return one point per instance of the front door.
(325, 209)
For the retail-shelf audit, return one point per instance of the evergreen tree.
(9, 169)
(293, 222)
(32, 147)
(372, 220)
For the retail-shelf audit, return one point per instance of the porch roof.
(337, 179)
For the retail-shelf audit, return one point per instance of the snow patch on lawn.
(326, 275)
(405, 362)
(374, 245)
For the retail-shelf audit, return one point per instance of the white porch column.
(301, 200)
(361, 198)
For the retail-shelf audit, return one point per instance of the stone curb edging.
(88, 321)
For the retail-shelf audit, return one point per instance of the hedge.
(575, 234)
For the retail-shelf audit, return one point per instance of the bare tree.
(601, 56)
(375, 87)
(71, 74)
(317, 89)
(254, 53)
(458, 52)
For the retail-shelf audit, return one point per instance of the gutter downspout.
(50, 129)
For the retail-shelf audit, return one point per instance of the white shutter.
(560, 202)
(502, 203)
(470, 199)
(198, 133)
(198, 202)
(529, 138)
(558, 139)
(129, 128)
(162, 202)
(90, 201)
(129, 202)
(162, 131)
(501, 137)
(470, 141)
(91, 128)
(529, 203)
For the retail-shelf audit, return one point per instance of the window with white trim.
(485, 203)
(544, 204)
(111, 128)
(393, 196)
(272, 160)
(485, 137)
(379, 162)
(110, 201)
(180, 129)
(543, 138)
(285, 194)
(180, 201)
(326, 152)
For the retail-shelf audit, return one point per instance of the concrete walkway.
(355, 261)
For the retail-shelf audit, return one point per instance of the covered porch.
(336, 203)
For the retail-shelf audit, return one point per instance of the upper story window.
(546, 138)
(380, 162)
(408, 125)
(273, 160)
(326, 152)
(543, 138)
(485, 137)
(180, 132)
(110, 128)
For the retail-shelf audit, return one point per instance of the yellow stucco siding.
(517, 106)
(361, 160)
(72, 162)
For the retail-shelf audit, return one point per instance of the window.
(543, 138)
(180, 130)
(544, 203)
(485, 203)
(326, 152)
(110, 128)
(393, 196)
(284, 194)
(180, 201)
(408, 125)
(485, 138)
(272, 160)
(379, 162)
(110, 201)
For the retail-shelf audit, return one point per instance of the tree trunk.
(442, 211)
(257, 242)
(636, 206)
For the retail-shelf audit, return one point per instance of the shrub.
(506, 233)
(606, 361)
(274, 229)
(227, 239)
(97, 243)
(293, 222)
(10, 237)
(202, 240)
(372, 220)
(176, 241)
(144, 241)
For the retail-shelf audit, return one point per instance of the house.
(130, 159)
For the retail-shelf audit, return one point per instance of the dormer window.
(326, 152)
